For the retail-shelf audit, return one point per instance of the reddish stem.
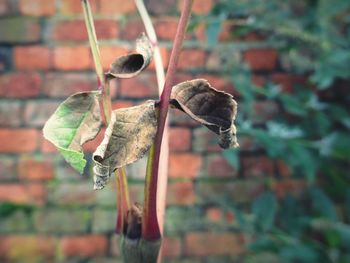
(150, 226)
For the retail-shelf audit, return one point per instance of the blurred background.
(283, 196)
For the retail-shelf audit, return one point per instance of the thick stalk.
(164, 156)
(150, 227)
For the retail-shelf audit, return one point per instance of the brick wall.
(55, 215)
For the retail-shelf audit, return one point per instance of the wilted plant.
(133, 132)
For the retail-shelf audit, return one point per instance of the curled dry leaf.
(215, 109)
(130, 65)
(76, 121)
(128, 137)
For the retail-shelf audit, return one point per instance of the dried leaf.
(130, 65)
(128, 137)
(76, 121)
(215, 109)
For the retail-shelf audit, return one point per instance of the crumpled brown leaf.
(215, 109)
(130, 65)
(127, 138)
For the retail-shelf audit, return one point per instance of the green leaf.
(323, 205)
(232, 157)
(76, 121)
(264, 209)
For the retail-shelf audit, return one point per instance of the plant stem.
(150, 227)
(123, 200)
(164, 156)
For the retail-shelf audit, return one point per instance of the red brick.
(180, 139)
(32, 57)
(288, 81)
(111, 53)
(264, 111)
(20, 85)
(184, 165)
(117, 7)
(35, 170)
(72, 58)
(214, 214)
(37, 112)
(259, 81)
(192, 58)
(23, 193)
(47, 147)
(165, 58)
(180, 193)
(105, 29)
(258, 166)
(8, 7)
(84, 246)
(24, 30)
(226, 33)
(283, 168)
(122, 104)
(69, 7)
(18, 140)
(213, 244)
(166, 28)
(133, 29)
(288, 186)
(218, 166)
(37, 7)
(261, 59)
(171, 247)
(66, 84)
(199, 7)
(141, 86)
(16, 248)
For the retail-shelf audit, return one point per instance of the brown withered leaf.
(130, 65)
(215, 109)
(127, 138)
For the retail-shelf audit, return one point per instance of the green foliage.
(7, 209)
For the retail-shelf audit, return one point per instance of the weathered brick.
(141, 86)
(69, 7)
(283, 168)
(223, 59)
(65, 84)
(180, 139)
(19, 85)
(288, 186)
(62, 221)
(114, 245)
(72, 58)
(184, 165)
(107, 197)
(288, 81)
(165, 58)
(36, 113)
(84, 245)
(22, 193)
(81, 193)
(192, 58)
(256, 166)
(161, 8)
(205, 140)
(226, 32)
(37, 7)
(105, 29)
(35, 170)
(214, 214)
(103, 221)
(180, 193)
(137, 169)
(18, 140)
(21, 248)
(32, 57)
(199, 7)
(23, 30)
(166, 28)
(110, 53)
(264, 111)
(196, 244)
(133, 29)
(118, 7)
(261, 59)
(13, 109)
(171, 247)
(5, 58)
(18, 221)
(179, 118)
(217, 166)
(241, 191)
(7, 168)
